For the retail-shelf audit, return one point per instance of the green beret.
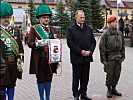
(5, 9)
(43, 10)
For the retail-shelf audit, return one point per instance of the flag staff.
(118, 3)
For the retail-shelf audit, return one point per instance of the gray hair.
(76, 13)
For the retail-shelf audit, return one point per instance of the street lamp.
(106, 12)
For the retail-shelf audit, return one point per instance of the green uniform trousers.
(131, 41)
(113, 70)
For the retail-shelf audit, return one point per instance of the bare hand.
(83, 52)
(87, 53)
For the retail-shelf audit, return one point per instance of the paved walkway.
(26, 89)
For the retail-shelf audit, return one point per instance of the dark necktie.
(81, 25)
(6, 30)
(46, 29)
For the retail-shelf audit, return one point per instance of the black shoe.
(76, 98)
(109, 93)
(2, 95)
(85, 97)
(115, 92)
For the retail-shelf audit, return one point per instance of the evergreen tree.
(62, 19)
(92, 9)
(32, 12)
(97, 19)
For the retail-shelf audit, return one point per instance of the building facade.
(24, 3)
(125, 9)
(20, 7)
(109, 7)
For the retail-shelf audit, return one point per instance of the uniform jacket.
(80, 39)
(112, 46)
(11, 75)
(2, 65)
(35, 52)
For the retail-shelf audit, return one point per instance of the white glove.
(40, 43)
(37, 42)
(55, 36)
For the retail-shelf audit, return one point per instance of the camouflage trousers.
(113, 70)
(131, 41)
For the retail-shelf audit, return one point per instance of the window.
(130, 4)
(125, 11)
(51, 1)
(118, 11)
(114, 3)
(19, 6)
(110, 12)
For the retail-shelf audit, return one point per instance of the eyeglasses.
(45, 17)
(6, 17)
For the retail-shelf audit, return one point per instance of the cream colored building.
(24, 3)
(20, 7)
(125, 8)
(109, 6)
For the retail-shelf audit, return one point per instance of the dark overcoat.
(80, 39)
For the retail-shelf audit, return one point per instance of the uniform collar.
(45, 25)
(4, 27)
(78, 25)
(113, 31)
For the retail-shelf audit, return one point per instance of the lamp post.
(106, 11)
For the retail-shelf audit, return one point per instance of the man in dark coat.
(10, 49)
(112, 54)
(38, 36)
(121, 25)
(82, 43)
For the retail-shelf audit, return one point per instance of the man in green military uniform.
(112, 54)
(10, 50)
(39, 65)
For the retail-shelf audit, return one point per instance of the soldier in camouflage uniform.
(10, 49)
(112, 54)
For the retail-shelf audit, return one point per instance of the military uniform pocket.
(10, 58)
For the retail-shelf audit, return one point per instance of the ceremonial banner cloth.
(55, 50)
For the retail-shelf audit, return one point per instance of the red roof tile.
(124, 4)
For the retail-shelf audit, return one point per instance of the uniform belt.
(10, 57)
